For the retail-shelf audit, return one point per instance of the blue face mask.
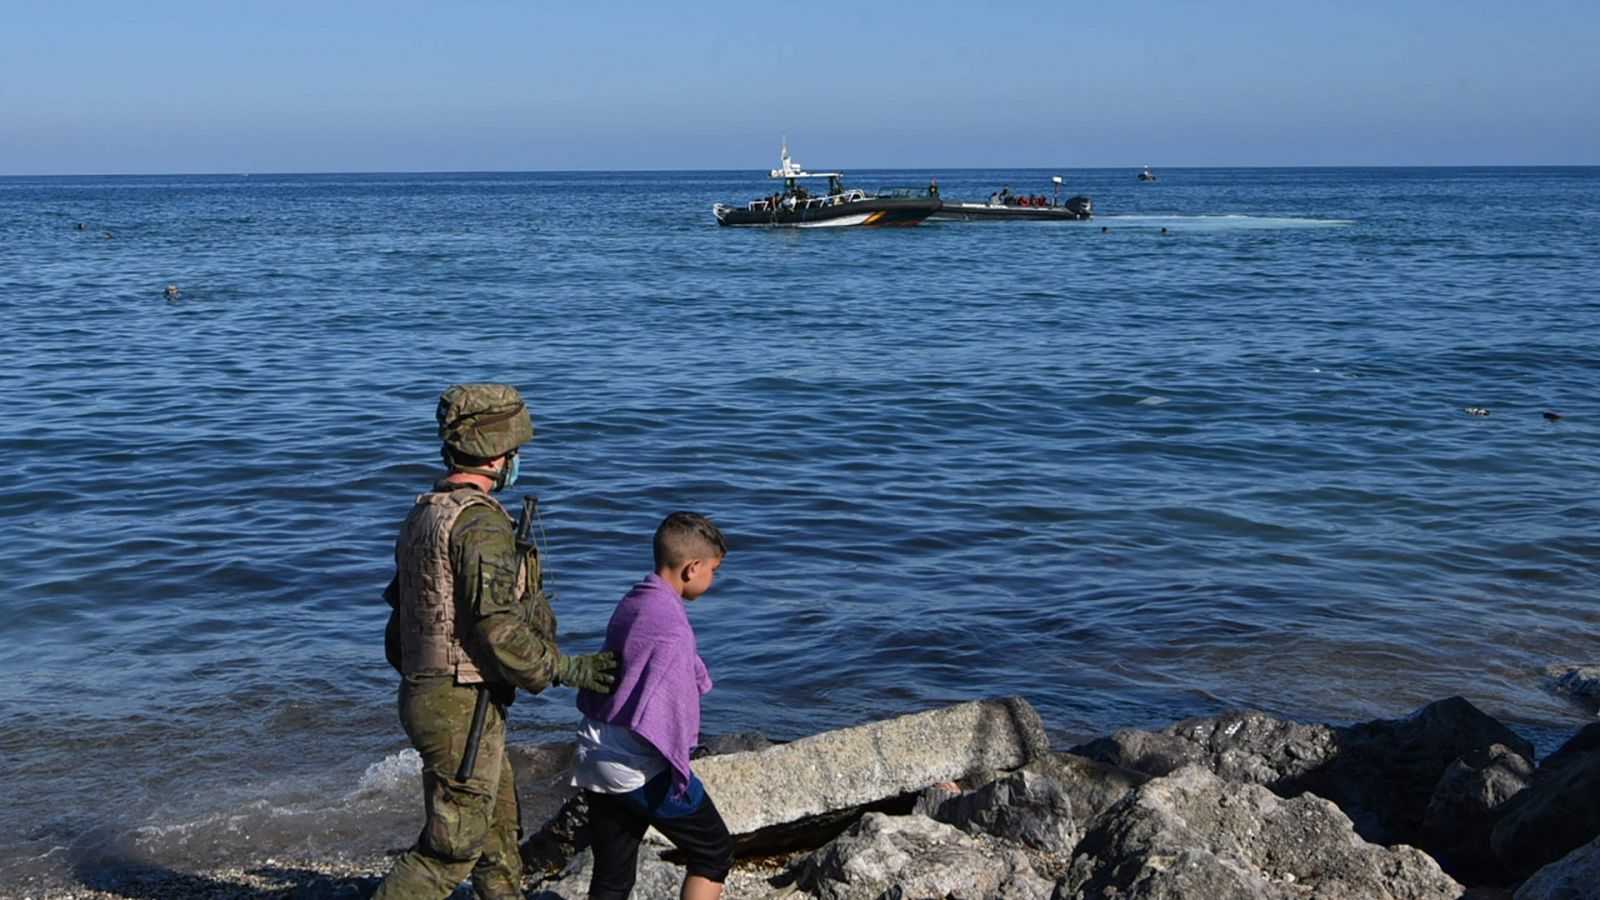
(510, 472)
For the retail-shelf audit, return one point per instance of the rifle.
(480, 708)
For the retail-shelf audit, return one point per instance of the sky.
(237, 86)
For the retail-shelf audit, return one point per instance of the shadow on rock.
(1384, 775)
(1559, 813)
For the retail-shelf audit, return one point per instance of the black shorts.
(616, 827)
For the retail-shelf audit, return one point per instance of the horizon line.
(591, 171)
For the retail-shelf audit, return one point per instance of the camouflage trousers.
(472, 826)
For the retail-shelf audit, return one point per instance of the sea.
(1318, 442)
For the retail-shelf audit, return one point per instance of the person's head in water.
(481, 428)
(688, 551)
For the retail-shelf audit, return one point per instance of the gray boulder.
(801, 794)
(1575, 876)
(1381, 773)
(1581, 681)
(853, 767)
(1468, 801)
(1192, 834)
(1092, 787)
(915, 857)
(1559, 813)
(1246, 745)
(1385, 771)
(1022, 807)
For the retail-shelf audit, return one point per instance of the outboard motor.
(1081, 205)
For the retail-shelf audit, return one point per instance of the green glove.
(594, 672)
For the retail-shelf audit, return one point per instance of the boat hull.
(971, 211)
(874, 212)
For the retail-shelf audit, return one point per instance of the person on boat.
(933, 188)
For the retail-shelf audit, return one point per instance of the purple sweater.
(660, 676)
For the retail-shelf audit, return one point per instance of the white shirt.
(612, 759)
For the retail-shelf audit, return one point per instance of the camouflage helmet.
(483, 420)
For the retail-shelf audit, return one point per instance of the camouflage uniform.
(491, 629)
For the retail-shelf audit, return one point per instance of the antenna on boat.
(787, 168)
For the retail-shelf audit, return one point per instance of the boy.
(633, 746)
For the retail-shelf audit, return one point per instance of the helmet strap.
(498, 476)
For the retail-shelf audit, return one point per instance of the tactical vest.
(431, 643)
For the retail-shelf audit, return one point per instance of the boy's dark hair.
(683, 536)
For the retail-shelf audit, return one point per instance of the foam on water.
(383, 776)
(295, 817)
(1222, 222)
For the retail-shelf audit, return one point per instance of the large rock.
(1246, 746)
(802, 794)
(1381, 773)
(1559, 813)
(1089, 785)
(1092, 787)
(1575, 876)
(1191, 834)
(857, 766)
(1470, 798)
(1580, 681)
(1385, 771)
(1022, 807)
(915, 857)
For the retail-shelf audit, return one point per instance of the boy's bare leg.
(699, 887)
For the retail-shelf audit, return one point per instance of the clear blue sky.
(90, 86)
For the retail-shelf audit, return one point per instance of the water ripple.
(1132, 476)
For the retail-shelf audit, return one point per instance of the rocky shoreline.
(971, 801)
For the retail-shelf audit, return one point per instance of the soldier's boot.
(416, 877)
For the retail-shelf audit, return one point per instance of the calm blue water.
(1131, 476)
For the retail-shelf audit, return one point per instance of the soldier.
(471, 619)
